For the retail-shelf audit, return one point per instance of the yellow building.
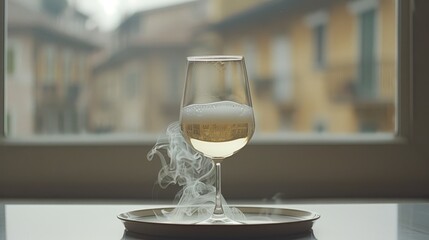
(313, 66)
(318, 65)
(138, 87)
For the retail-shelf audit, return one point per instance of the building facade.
(138, 87)
(48, 62)
(325, 66)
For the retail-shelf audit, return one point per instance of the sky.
(107, 13)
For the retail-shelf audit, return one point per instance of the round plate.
(260, 222)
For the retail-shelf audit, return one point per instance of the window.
(174, 72)
(132, 86)
(318, 22)
(296, 74)
(282, 67)
(368, 48)
(319, 46)
(250, 53)
(82, 70)
(67, 66)
(367, 53)
(9, 124)
(50, 64)
(297, 165)
(11, 60)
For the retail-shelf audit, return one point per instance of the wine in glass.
(216, 115)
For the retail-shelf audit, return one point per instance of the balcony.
(368, 85)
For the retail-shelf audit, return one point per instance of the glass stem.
(218, 210)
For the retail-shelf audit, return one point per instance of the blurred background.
(118, 67)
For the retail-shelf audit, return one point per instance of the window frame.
(302, 167)
(11, 53)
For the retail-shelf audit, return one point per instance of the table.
(96, 219)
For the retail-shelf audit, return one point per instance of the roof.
(138, 14)
(22, 18)
(268, 11)
(136, 51)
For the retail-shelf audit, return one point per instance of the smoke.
(181, 165)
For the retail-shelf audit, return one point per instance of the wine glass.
(216, 115)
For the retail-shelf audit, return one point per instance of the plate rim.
(313, 217)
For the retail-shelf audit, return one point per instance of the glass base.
(219, 219)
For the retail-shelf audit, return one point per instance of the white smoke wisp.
(194, 173)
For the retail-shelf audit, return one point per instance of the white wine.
(219, 129)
